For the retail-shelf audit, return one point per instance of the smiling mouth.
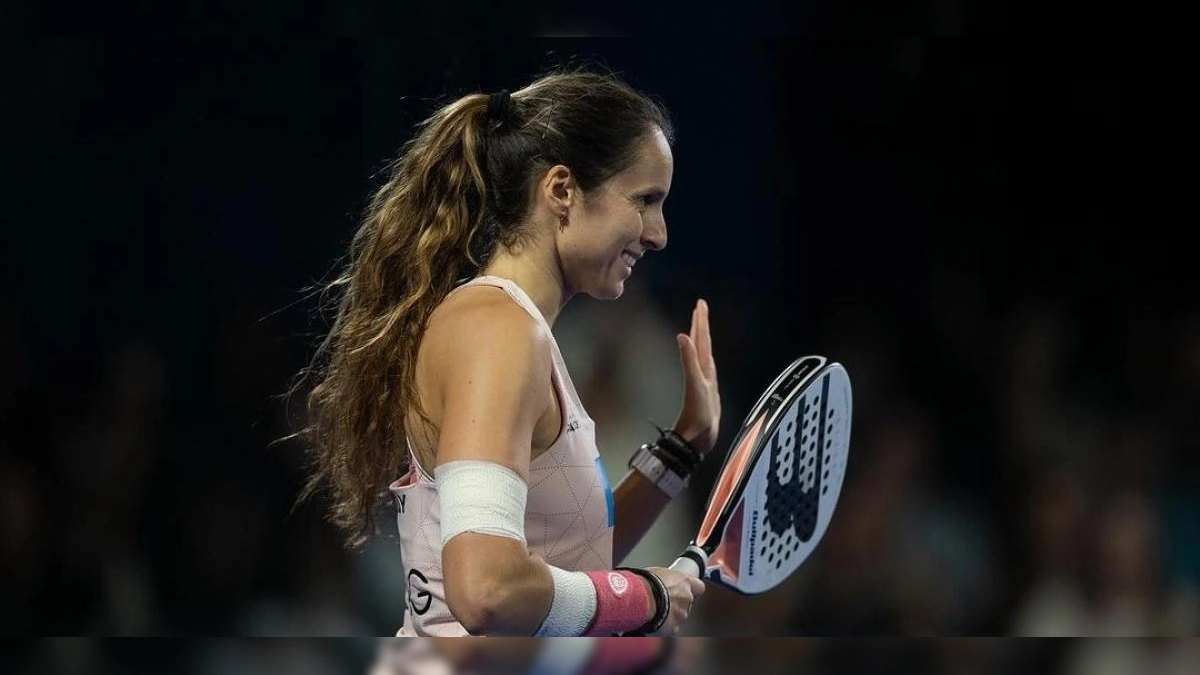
(629, 258)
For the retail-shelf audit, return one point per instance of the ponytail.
(414, 242)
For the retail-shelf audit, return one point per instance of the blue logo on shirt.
(608, 495)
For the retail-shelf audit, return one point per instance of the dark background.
(990, 235)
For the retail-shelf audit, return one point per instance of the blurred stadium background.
(982, 232)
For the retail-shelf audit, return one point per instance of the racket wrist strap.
(661, 599)
(672, 444)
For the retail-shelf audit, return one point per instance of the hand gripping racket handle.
(692, 561)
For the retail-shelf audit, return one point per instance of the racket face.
(782, 481)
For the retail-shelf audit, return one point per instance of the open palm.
(700, 418)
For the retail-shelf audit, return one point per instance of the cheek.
(615, 233)
(591, 247)
(607, 232)
(632, 226)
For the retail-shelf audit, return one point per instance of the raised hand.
(699, 419)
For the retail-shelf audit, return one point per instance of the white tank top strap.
(514, 291)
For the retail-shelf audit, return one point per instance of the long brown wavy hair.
(459, 189)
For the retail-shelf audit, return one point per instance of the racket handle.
(692, 561)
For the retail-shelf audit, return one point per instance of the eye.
(648, 200)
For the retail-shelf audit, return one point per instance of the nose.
(654, 234)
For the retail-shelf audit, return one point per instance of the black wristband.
(671, 442)
(662, 602)
(672, 462)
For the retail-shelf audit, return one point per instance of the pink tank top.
(569, 512)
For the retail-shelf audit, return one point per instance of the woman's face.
(612, 225)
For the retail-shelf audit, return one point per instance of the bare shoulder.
(490, 365)
(483, 321)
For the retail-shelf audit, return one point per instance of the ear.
(557, 189)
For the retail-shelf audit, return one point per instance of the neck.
(540, 276)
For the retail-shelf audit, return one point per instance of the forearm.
(638, 504)
(526, 600)
(534, 598)
(494, 587)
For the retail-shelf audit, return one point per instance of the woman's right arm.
(493, 367)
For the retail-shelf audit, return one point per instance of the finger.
(688, 357)
(698, 587)
(704, 343)
(695, 327)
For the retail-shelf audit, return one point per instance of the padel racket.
(776, 492)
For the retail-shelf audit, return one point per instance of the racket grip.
(692, 561)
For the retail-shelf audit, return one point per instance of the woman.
(507, 523)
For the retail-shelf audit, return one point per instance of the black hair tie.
(497, 105)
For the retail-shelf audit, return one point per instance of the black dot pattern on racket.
(800, 471)
(796, 482)
(776, 492)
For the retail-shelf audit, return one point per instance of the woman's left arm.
(638, 501)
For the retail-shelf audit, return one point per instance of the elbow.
(490, 583)
(482, 607)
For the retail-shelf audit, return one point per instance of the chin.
(609, 293)
(609, 286)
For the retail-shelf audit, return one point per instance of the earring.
(562, 221)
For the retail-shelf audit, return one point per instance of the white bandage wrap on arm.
(489, 498)
(484, 497)
(574, 605)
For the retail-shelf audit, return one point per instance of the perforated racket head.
(781, 481)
